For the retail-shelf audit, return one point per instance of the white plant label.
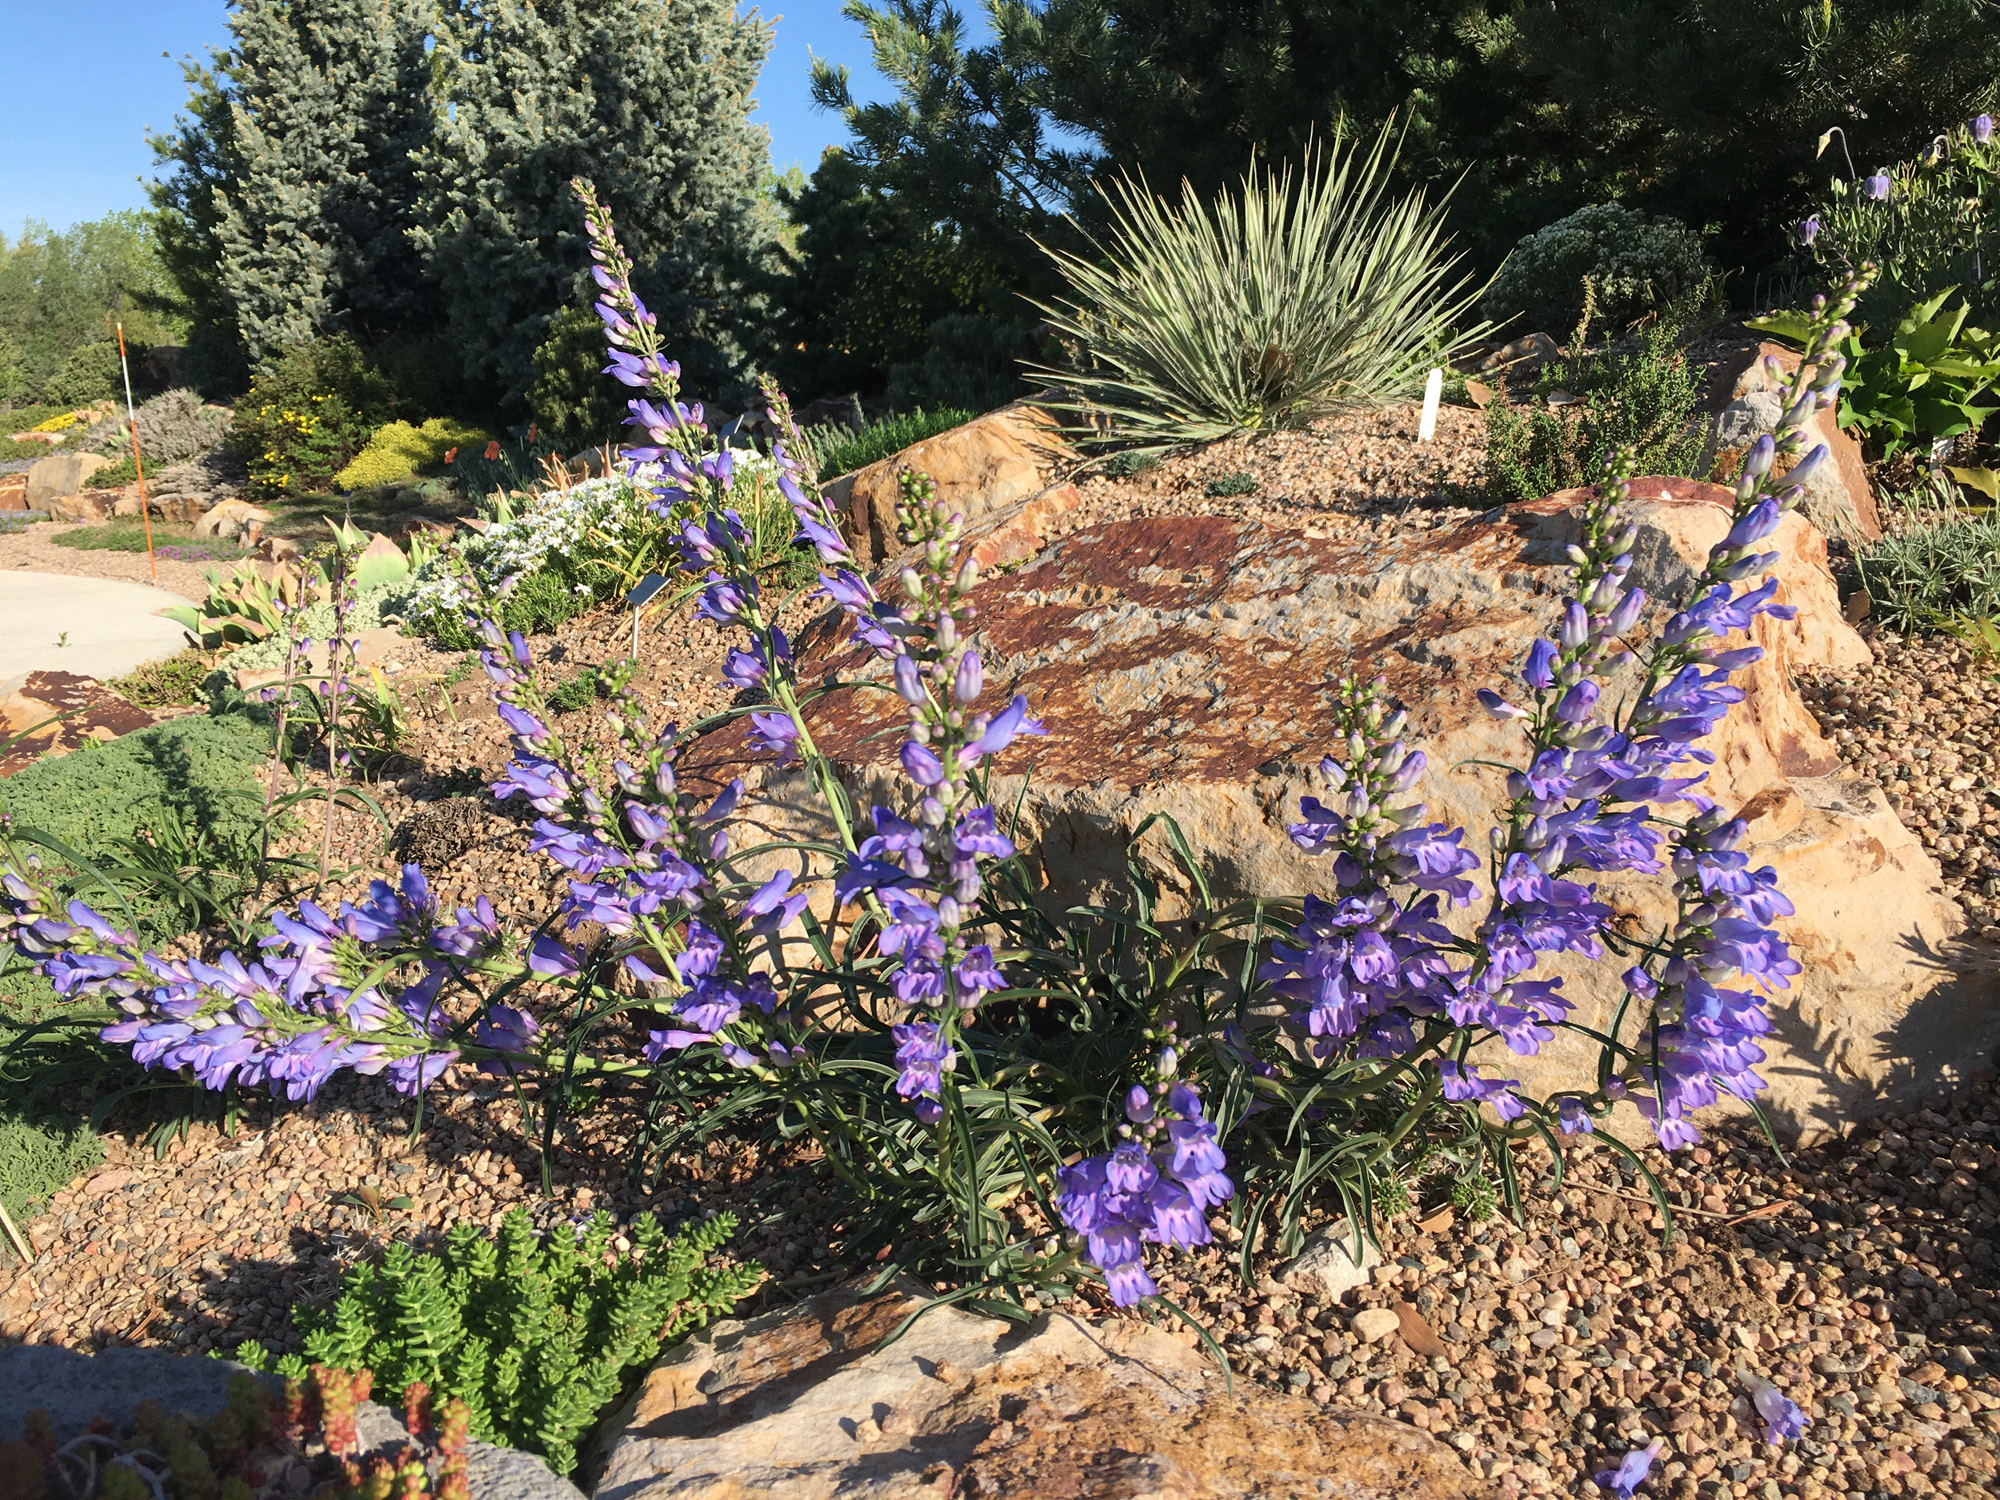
(1427, 426)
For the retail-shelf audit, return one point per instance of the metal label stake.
(646, 587)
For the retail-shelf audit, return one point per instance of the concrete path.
(109, 627)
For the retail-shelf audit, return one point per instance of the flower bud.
(913, 584)
(1575, 626)
(909, 687)
(970, 678)
(1626, 615)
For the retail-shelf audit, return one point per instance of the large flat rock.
(95, 627)
(806, 1404)
(1189, 666)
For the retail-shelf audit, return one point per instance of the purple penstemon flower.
(1156, 1186)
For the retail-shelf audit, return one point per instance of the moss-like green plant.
(536, 1334)
(96, 797)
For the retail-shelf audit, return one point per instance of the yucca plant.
(1307, 293)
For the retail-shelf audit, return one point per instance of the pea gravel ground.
(1859, 1275)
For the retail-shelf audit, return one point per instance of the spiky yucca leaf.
(1298, 298)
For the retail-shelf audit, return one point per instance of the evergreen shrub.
(1636, 262)
(89, 374)
(973, 362)
(398, 451)
(575, 407)
(536, 1333)
(1640, 400)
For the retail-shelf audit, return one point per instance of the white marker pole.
(1427, 426)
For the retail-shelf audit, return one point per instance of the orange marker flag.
(132, 419)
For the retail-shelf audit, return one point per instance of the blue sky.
(86, 78)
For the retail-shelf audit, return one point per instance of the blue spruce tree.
(651, 102)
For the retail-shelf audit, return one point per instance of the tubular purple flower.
(1982, 128)
(1575, 626)
(1626, 613)
(1576, 705)
(1876, 188)
(1757, 523)
(909, 684)
(1803, 471)
(1624, 1481)
(1809, 230)
(1783, 1420)
(1539, 673)
(774, 734)
(1004, 727)
(552, 958)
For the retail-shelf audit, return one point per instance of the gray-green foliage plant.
(1928, 576)
(1308, 291)
(536, 1333)
(95, 797)
(650, 100)
(328, 99)
(1641, 399)
(174, 426)
(1637, 263)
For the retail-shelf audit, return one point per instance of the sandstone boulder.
(13, 491)
(231, 518)
(61, 475)
(53, 713)
(995, 470)
(1188, 666)
(85, 507)
(1746, 404)
(803, 1405)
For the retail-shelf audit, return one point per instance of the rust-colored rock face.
(803, 1405)
(63, 710)
(1190, 667)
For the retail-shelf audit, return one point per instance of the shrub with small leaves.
(1640, 400)
(1636, 263)
(534, 1333)
(1231, 485)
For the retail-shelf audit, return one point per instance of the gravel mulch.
(1923, 722)
(1364, 470)
(1860, 1279)
(33, 548)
